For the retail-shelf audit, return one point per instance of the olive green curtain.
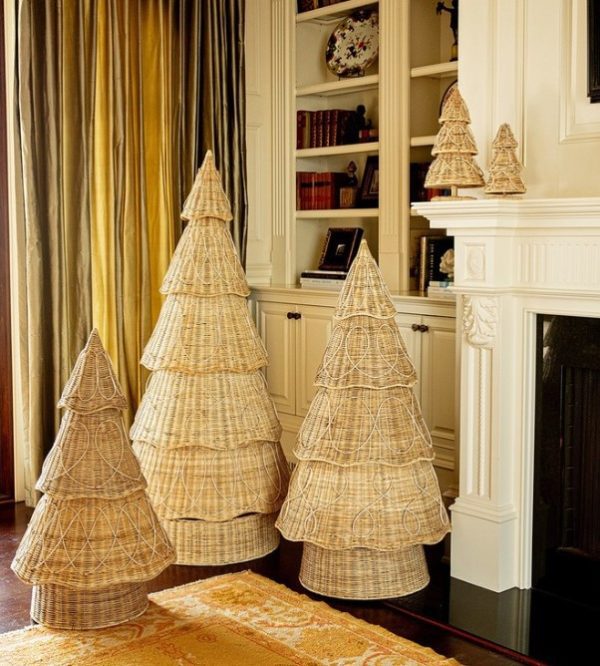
(55, 66)
(106, 115)
(222, 104)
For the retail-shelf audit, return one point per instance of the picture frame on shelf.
(340, 248)
(369, 187)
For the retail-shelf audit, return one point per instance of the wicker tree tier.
(94, 539)
(206, 432)
(364, 496)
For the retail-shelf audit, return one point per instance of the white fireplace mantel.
(514, 259)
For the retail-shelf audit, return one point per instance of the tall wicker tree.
(94, 539)
(206, 433)
(454, 149)
(505, 168)
(364, 496)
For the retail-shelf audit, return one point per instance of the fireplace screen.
(566, 521)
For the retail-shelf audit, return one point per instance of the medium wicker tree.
(454, 165)
(505, 168)
(364, 496)
(93, 540)
(206, 433)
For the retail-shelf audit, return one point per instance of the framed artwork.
(340, 248)
(369, 188)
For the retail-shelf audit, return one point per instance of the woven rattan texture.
(369, 506)
(363, 574)
(93, 385)
(91, 457)
(193, 482)
(198, 335)
(364, 291)
(62, 608)
(207, 198)
(217, 411)
(93, 543)
(199, 542)
(362, 425)
(365, 352)
(205, 262)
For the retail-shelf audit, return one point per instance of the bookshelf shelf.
(437, 71)
(334, 12)
(349, 149)
(341, 87)
(337, 213)
(417, 141)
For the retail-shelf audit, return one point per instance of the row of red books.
(327, 127)
(308, 5)
(318, 191)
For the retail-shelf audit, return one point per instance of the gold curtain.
(143, 165)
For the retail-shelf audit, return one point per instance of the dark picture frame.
(593, 19)
(369, 187)
(340, 248)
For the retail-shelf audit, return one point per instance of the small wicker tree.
(454, 165)
(206, 433)
(364, 496)
(93, 539)
(505, 168)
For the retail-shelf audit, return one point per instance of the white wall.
(525, 62)
(258, 139)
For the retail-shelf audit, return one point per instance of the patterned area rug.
(239, 618)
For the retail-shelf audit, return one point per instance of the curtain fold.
(54, 71)
(222, 104)
(143, 160)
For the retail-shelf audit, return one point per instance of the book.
(441, 292)
(324, 275)
(432, 248)
(324, 283)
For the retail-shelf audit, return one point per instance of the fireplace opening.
(566, 506)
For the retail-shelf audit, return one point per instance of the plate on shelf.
(354, 45)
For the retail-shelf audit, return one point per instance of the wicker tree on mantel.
(505, 168)
(206, 433)
(454, 165)
(364, 496)
(94, 539)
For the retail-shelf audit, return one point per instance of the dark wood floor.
(282, 566)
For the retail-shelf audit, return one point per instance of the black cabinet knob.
(290, 315)
(416, 327)
(297, 315)
(423, 328)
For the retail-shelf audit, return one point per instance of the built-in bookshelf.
(401, 92)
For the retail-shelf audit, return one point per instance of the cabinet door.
(412, 340)
(438, 388)
(278, 334)
(312, 334)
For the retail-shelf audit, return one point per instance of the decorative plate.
(354, 44)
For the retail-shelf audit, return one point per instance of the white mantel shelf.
(524, 214)
(514, 259)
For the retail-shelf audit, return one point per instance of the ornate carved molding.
(480, 320)
(475, 262)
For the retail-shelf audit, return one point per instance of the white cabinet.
(295, 337)
(431, 344)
